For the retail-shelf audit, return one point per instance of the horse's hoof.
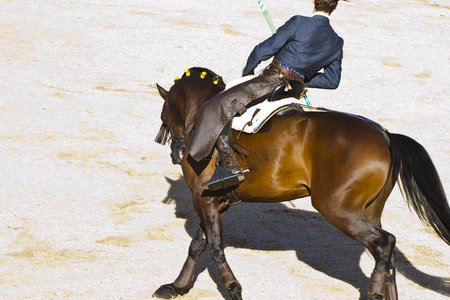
(169, 291)
(235, 291)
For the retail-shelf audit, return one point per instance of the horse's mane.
(201, 70)
(217, 79)
(164, 132)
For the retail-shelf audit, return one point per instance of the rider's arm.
(330, 77)
(271, 46)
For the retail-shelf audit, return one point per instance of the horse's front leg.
(181, 285)
(198, 245)
(207, 209)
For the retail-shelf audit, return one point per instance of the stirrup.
(222, 179)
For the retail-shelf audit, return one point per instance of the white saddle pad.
(266, 110)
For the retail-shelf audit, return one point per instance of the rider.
(301, 48)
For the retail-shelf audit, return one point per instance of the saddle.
(282, 100)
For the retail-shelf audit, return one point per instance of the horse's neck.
(193, 102)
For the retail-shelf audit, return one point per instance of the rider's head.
(326, 6)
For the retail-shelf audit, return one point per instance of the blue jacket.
(306, 44)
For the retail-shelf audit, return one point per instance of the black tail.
(420, 184)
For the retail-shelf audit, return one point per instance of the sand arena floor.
(92, 208)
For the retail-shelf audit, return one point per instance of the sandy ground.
(92, 208)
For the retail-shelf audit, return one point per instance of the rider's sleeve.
(272, 45)
(330, 77)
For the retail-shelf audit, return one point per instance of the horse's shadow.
(316, 242)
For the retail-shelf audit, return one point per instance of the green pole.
(268, 18)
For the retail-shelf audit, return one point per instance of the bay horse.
(343, 163)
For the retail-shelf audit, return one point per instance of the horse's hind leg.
(181, 285)
(382, 283)
(379, 242)
(391, 285)
(373, 213)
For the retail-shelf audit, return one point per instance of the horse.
(345, 164)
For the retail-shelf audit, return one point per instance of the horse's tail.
(420, 184)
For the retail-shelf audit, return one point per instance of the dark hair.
(327, 6)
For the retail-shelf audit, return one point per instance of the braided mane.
(164, 135)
